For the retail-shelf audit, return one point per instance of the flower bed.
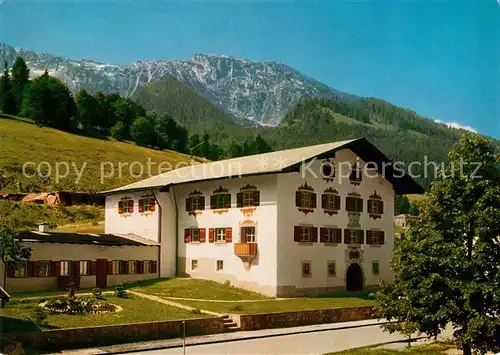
(78, 305)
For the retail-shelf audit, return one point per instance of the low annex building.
(86, 260)
(287, 223)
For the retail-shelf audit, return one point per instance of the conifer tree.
(20, 80)
(7, 104)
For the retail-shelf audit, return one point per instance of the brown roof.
(85, 238)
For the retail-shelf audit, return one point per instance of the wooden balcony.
(246, 251)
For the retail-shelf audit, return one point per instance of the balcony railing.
(245, 249)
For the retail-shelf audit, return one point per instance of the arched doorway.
(354, 278)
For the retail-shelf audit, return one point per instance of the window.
(195, 235)
(355, 174)
(328, 170)
(194, 264)
(147, 205)
(305, 199)
(85, 267)
(65, 268)
(375, 268)
(331, 269)
(354, 204)
(44, 268)
(22, 269)
(375, 237)
(306, 269)
(331, 235)
(353, 236)
(125, 206)
(148, 266)
(330, 202)
(248, 235)
(248, 198)
(118, 267)
(195, 203)
(220, 234)
(133, 267)
(220, 265)
(305, 234)
(220, 201)
(375, 206)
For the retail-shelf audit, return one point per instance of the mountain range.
(253, 93)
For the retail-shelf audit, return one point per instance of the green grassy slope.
(23, 142)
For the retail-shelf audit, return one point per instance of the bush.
(119, 131)
(40, 316)
(196, 311)
(120, 291)
(227, 283)
(98, 294)
(78, 305)
(237, 308)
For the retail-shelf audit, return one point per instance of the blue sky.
(439, 58)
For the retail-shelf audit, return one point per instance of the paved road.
(307, 343)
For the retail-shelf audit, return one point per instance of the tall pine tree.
(7, 104)
(20, 80)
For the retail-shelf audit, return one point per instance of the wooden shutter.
(76, 268)
(337, 202)
(140, 267)
(349, 204)
(362, 237)
(31, 269)
(360, 205)
(141, 206)
(256, 198)
(324, 200)
(313, 202)
(58, 268)
(152, 205)
(203, 235)
(314, 233)
(120, 207)
(211, 235)
(296, 233)
(187, 235)
(110, 268)
(93, 268)
(381, 237)
(11, 271)
(381, 206)
(36, 268)
(127, 267)
(298, 198)
(227, 201)
(322, 234)
(212, 202)
(338, 235)
(189, 204)
(130, 206)
(347, 236)
(202, 202)
(154, 267)
(239, 199)
(229, 235)
(53, 268)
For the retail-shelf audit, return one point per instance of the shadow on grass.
(364, 295)
(144, 283)
(14, 325)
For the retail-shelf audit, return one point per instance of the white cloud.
(457, 125)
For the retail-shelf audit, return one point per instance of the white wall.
(168, 223)
(292, 253)
(143, 224)
(262, 274)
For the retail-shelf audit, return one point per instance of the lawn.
(23, 142)
(17, 316)
(194, 288)
(431, 349)
(289, 305)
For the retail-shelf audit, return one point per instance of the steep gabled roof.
(282, 161)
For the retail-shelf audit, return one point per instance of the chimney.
(43, 227)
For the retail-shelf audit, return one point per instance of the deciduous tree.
(12, 251)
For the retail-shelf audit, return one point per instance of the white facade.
(277, 268)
